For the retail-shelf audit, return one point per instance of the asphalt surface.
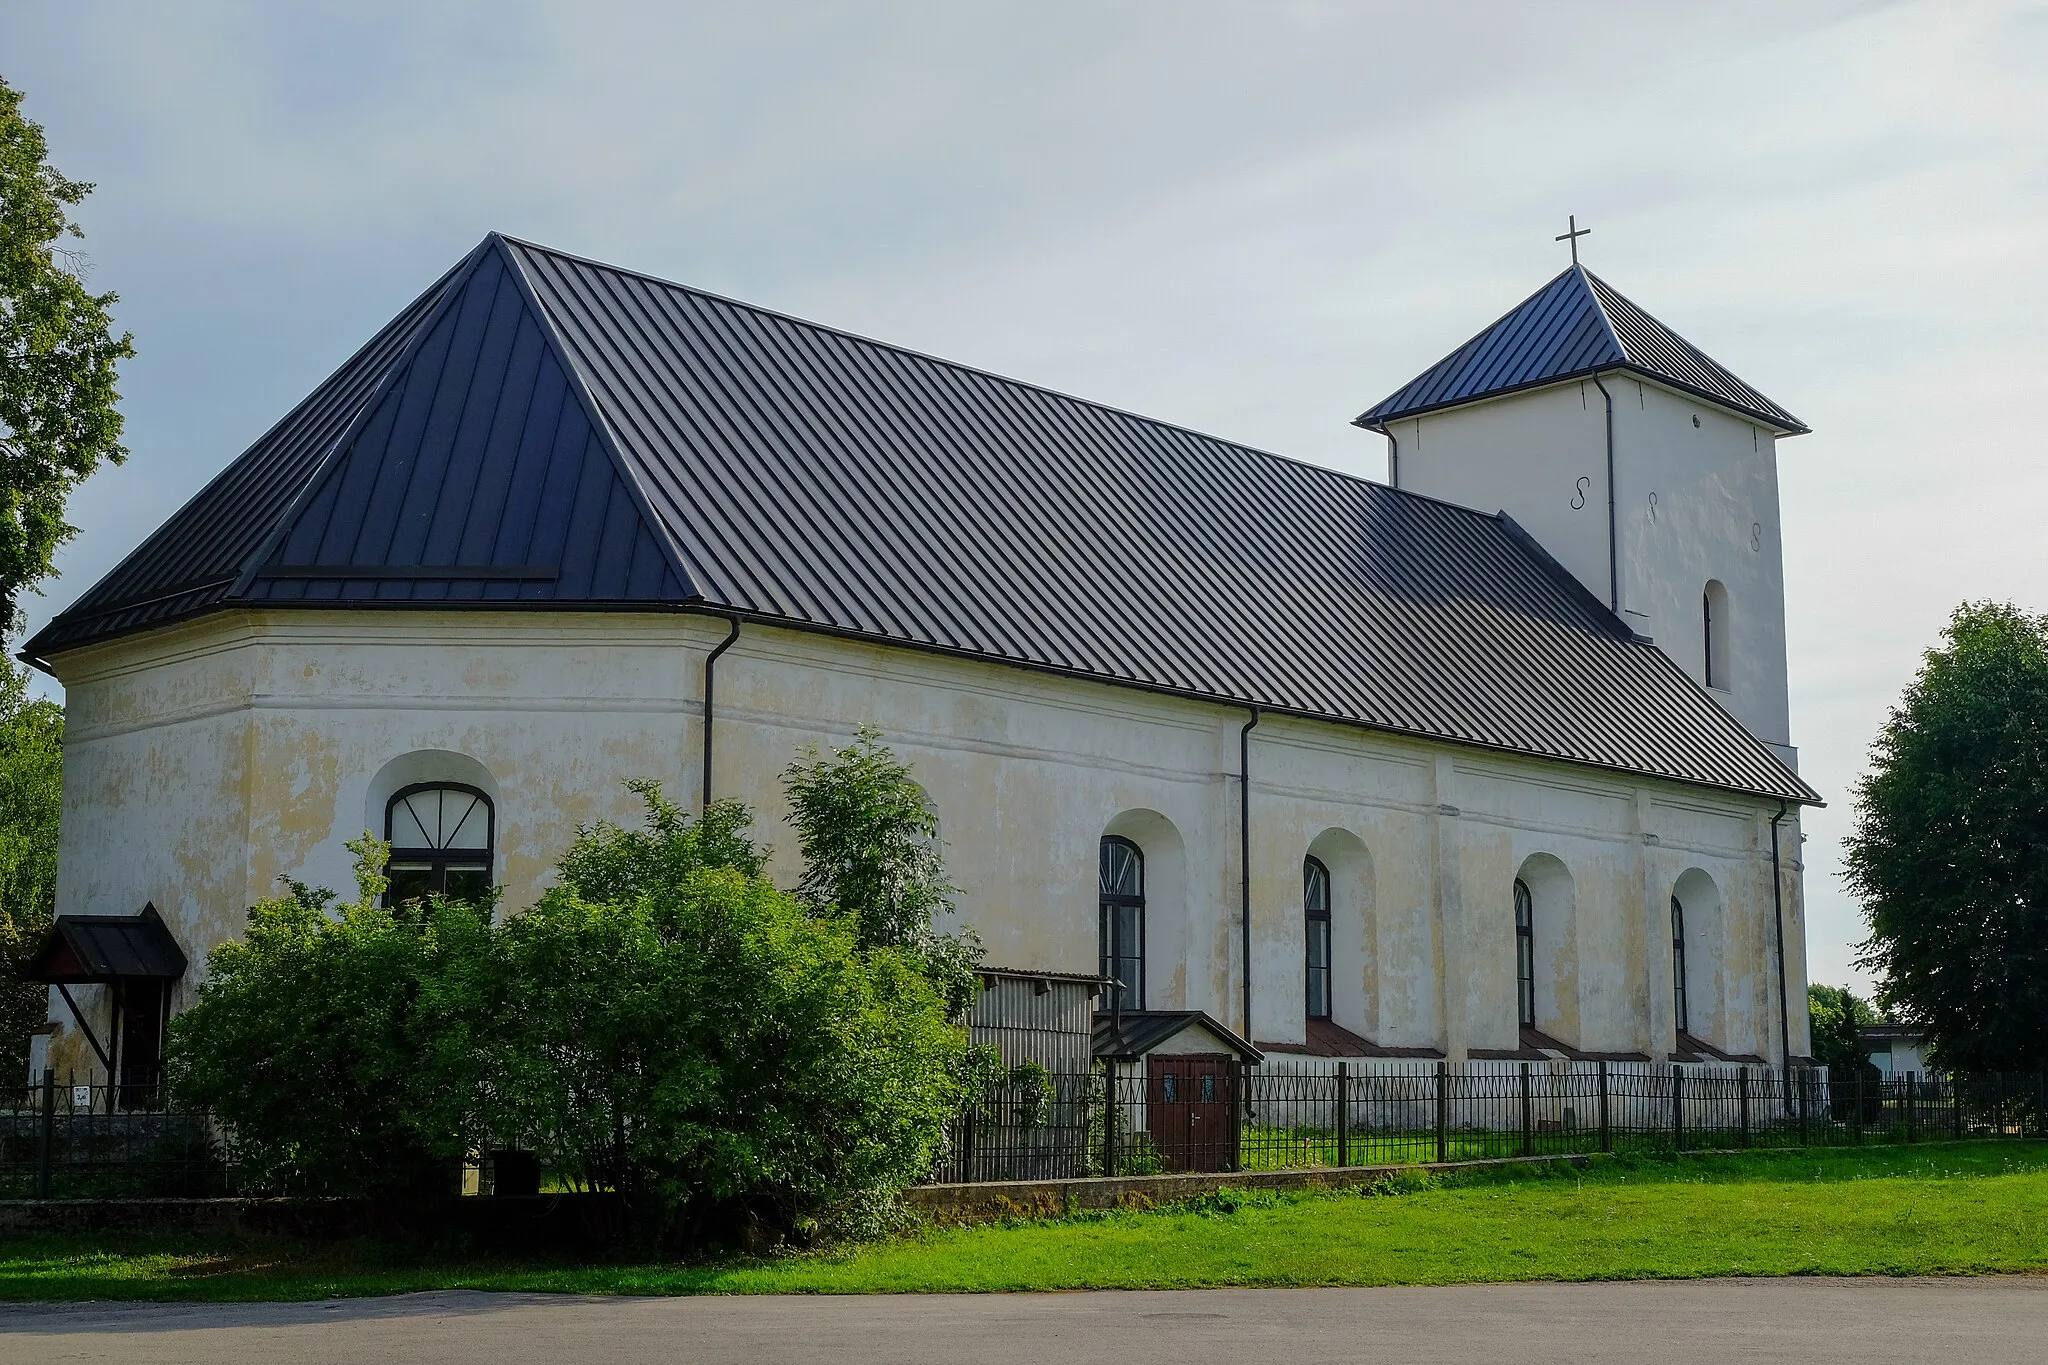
(1809, 1321)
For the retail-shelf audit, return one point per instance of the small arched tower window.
(1714, 633)
(441, 836)
(1678, 964)
(1315, 906)
(1525, 955)
(1122, 904)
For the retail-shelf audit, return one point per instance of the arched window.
(1678, 963)
(1525, 955)
(1123, 921)
(1315, 906)
(1714, 634)
(441, 840)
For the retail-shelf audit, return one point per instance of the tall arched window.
(1525, 955)
(1678, 963)
(441, 840)
(1714, 633)
(1123, 921)
(1315, 906)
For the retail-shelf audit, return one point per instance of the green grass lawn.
(1965, 1208)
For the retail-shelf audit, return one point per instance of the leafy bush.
(870, 842)
(346, 1053)
(683, 1032)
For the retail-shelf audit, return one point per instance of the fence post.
(1443, 1111)
(1528, 1119)
(1955, 1104)
(46, 1140)
(1910, 1088)
(1108, 1116)
(1343, 1113)
(1606, 1131)
(1858, 1121)
(1742, 1082)
(967, 1143)
(1801, 1101)
(1677, 1108)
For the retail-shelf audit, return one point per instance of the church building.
(1488, 760)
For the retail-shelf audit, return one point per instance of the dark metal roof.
(545, 430)
(1133, 1033)
(1574, 326)
(86, 948)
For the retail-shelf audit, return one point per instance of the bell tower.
(1640, 464)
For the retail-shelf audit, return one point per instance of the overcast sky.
(1255, 220)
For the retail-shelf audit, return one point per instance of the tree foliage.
(31, 797)
(58, 355)
(347, 1049)
(1950, 850)
(1835, 1013)
(689, 1035)
(663, 1023)
(870, 841)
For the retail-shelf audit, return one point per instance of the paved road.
(1810, 1322)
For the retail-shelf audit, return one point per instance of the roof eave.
(1782, 424)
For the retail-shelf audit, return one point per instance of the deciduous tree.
(58, 354)
(1949, 854)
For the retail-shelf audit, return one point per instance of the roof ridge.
(1587, 281)
(579, 382)
(960, 365)
(401, 364)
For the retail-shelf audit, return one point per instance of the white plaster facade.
(207, 759)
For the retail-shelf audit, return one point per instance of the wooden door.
(1190, 1109)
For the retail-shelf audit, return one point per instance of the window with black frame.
(1315, 905)
(441, 836)
(1122, 907)
(1525, 955)
(1678, 964)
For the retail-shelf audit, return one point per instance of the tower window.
(1122, 911)
(1714, 634)
(1315, 905)
(1525, 955)
(441, 841)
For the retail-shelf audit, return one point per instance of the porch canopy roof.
(94, 949)
(1130, 1034)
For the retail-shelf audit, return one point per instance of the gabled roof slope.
(1574, 326)
(790, 473)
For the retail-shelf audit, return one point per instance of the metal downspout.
(710, 677)
(1613, 537)
(1244, 858)
(1393, 457)
(1778, 910)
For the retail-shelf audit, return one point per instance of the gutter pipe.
(1244, 859)
(710, 677)
(1778, 911)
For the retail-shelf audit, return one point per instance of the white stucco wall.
(1541, 457)
(204, 761)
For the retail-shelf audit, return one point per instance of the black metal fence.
(65, 1141)
(1212, 1115)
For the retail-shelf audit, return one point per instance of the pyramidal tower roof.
(1574, 326)
(539, 431)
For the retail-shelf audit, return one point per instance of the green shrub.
(705, 1044)
(347, 1052)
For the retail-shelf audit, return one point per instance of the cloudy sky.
(1253, 219)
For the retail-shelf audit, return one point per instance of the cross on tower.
(1572, 235)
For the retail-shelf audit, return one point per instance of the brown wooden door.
(1189, 1108)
